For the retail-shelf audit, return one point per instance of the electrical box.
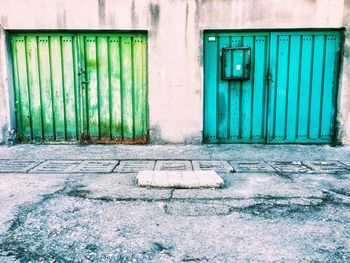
(235, 63)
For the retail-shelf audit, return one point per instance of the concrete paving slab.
(179, 179)
(118, 187)
(290, 167)
(284, 152)
(17, 166)
(56, 166)
(103, 152)
(134, 166)
(95, 167)
(253, 185)
(173, 165)
(217, 166)
(327, 166)
(249, 166)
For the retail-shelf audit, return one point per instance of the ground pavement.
(70, 203)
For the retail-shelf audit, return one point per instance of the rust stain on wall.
(134, 19)
(101, 11)
(155, 14)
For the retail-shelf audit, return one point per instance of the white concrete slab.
(180, 179)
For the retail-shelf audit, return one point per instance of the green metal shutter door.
(116, 89)
(304, 68)
(47, 104)
(235, 111)
(81, 86)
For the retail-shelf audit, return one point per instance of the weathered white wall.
(3, 108)
(344, 96)
(175, 43)
(6, 91)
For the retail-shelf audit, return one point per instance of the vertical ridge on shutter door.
(222, 99)
(138, 88)
(45, 80)
(115, 89)
(127, 88)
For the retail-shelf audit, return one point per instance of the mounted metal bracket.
(235, 63)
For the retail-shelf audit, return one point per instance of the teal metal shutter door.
(235, 111)
(46, 95)
(302, 102)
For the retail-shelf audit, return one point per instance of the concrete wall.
(344, 96)
(175, 44)
(7, 113)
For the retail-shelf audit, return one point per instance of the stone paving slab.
(17, 166)
(134, 166)
(119, 187)
(96, 167)
(247, 166)
(217, 166)
(173, 165)
(290, 167)
(253, 185)
(179, 179)
(327, 166)
(55, 166)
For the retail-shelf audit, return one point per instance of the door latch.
(83, 79)
(269, 76)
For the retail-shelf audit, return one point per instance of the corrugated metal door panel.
(116, 89)
(235, 111)
(71, 84)
(115, 85)
(304, 68)
(44, 87)
(211, 75)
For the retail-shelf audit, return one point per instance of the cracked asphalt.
(68, 203)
